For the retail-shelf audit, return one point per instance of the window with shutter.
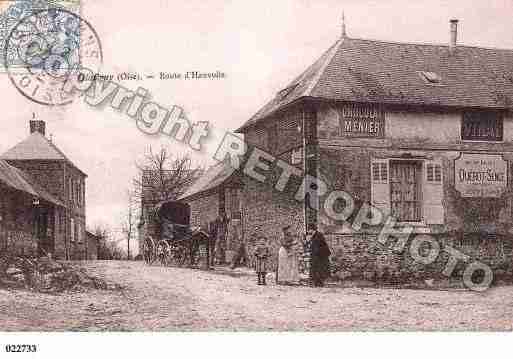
(433, 210)
(380, 191)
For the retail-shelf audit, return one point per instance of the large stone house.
(54, 219)
(422, 132)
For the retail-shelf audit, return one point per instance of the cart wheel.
(149, 250)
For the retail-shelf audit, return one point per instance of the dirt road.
(175, 299)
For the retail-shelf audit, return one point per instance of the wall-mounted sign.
(359, 120)
(478, 175)
(351, 120)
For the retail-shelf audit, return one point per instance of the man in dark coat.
(319, 257)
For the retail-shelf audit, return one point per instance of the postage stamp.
(44, 48)
(12, 11)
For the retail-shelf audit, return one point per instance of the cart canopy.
(174, 218)
(175, 212)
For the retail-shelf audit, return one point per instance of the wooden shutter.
(380, 185)
(433, 192)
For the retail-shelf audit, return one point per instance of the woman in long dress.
(288, 264)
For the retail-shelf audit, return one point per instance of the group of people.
(287, 271)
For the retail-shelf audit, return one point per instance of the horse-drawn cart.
(170, 240)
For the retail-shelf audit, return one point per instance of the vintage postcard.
(287, 166)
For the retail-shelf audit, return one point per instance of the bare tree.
(162, 176)
(129, 225)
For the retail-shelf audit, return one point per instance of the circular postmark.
(44, 49)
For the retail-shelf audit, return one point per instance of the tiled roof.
(213, 177)
(21, 181)
(389, 73)
(35, 147)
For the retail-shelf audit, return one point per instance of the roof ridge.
(432, 44)
(380, 71)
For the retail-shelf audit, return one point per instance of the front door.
(405, 190)
(44, 231)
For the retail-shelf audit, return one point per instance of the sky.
(260, 46)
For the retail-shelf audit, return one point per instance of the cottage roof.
(36, 147)
(372, 71)
(21, 181)
(215, 176)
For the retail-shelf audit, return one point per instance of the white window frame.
(72, 230)
(433, 173)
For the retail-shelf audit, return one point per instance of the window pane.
(482, 126)
(405, 191)
(384, 172)
(375, 172)
(438, 173)
(429, 169)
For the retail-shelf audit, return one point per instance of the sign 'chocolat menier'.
(479, 175)
(362, 121)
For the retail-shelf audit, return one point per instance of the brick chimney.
(37, 125)
(454, 35)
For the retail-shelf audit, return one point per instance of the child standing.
(262, 254)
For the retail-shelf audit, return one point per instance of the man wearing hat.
(319, 257)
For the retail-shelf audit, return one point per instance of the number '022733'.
(21, 348)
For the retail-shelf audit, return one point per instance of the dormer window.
(431, 78)
(282, 94)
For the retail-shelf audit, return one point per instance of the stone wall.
(204, 209)
(16, 223)
(478, 227)
(361, 256)
(18, 242)
(76, 210)
(49, 174)
(266, 212)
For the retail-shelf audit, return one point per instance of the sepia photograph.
(297, 168)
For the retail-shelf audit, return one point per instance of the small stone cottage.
(43, 199)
